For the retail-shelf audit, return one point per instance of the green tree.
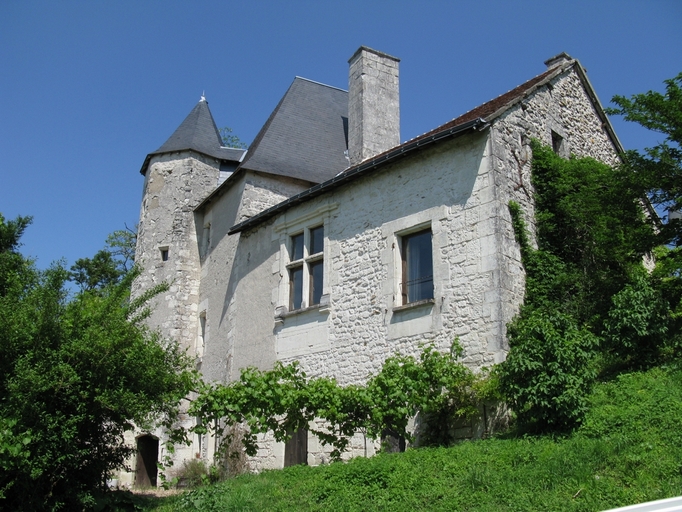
(75, 374)
(659, 169)
(229, 139)
(108, 265)
(657, 173)
(122, 243)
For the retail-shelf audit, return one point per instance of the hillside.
(628, 450)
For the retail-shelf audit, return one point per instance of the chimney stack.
(373, 104)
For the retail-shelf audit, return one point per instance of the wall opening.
(558, 144)
(296, 448)
(146, 470)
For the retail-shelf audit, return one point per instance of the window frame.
(305, 293)
(404, 276)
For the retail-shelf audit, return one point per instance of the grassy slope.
(629, 450)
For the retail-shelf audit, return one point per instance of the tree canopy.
(658, 171)
(76, 372)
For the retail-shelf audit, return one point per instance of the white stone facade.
(230, 294)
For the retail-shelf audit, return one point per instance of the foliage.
(75, 373)
(594, 227)
(549, 370)
(658, 172)
(108, 265)
(627, 451)
(586, 289)
(193, 473)
(229, 139)
(122, 243)
(97, 272)
(637, 323)
(284, 399)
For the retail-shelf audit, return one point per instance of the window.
(558, 144)
(164, 253)
(206, 240)
(201, 338)
(306, 268)
(417, 267)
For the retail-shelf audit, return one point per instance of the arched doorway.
(145, 467)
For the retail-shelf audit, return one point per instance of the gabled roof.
(496, 107)
(477, 119)
(198, 132)
(306, 135)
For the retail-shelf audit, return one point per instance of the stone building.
(332, 243)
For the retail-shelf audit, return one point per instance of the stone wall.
(460, 189)
(564, 108)
(174, 185)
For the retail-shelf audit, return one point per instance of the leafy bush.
(549, 370)
(637, 322)
(193, 473)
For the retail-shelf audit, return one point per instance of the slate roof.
(197, 132)
(306, 135)
(477, 119)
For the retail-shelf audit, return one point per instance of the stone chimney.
(558, 60)
(373, 104)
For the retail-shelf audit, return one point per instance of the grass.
(629, 450)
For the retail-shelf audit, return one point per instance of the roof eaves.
(358, 171)
(518, 99)
(225, 157)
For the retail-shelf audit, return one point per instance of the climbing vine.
(285, 399)
(590, 307)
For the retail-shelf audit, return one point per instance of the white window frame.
(287, 226)
(304, 263)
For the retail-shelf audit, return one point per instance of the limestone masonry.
(330, 243)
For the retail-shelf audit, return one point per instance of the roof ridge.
(320, 83)
(493, 107)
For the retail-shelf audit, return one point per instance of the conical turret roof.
(198, 132)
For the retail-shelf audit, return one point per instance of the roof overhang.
(224, 154)
(363, 169)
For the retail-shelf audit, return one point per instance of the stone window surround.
(407, 260)
(392, 232)
(291, 224)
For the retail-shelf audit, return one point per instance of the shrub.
(549, 370)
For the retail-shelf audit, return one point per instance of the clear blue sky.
(88, 88)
